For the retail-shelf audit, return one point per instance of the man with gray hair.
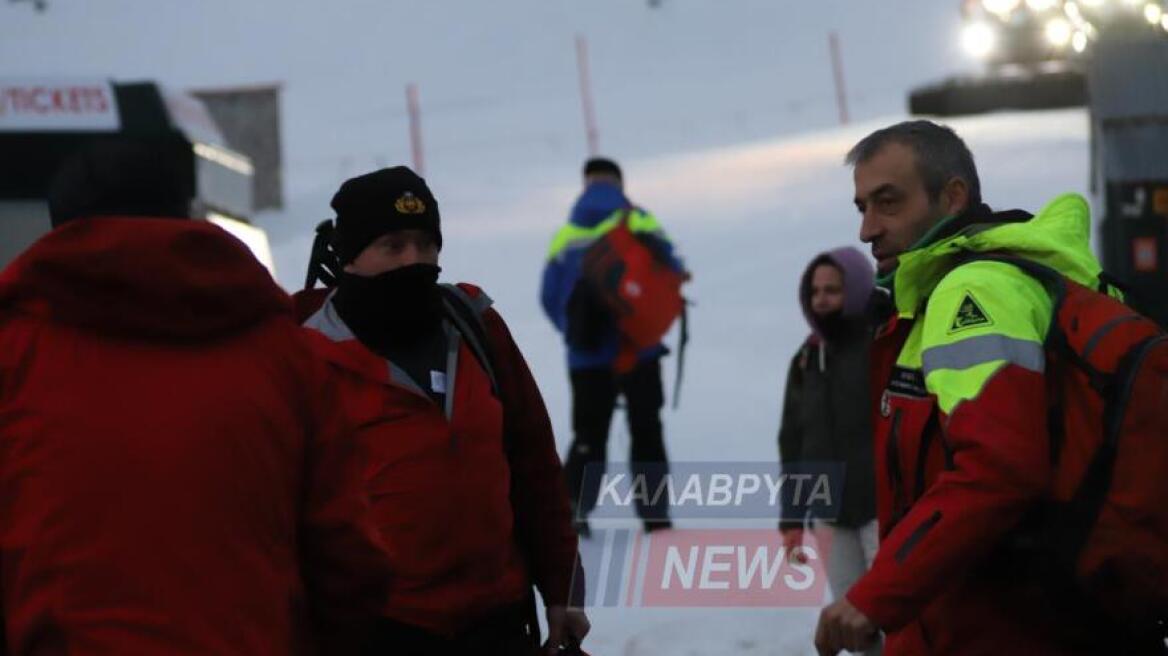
(962, 450)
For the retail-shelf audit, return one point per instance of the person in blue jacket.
(593, 341)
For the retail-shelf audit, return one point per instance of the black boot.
(583, 528)
(657, 525)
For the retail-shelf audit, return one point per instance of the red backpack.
(635, 282)
(1104, 531)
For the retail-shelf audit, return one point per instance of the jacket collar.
(1058, 236)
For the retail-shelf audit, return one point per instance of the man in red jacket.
(965, 452)
(171, 478)
(463, 472)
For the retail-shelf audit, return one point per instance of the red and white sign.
(732, 568)
(30, 105)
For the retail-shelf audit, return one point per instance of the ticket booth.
(43, 121)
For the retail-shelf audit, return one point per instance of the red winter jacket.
(992, 605)
(963, 453)
(462, 540)
(171, 479)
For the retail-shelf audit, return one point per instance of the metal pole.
(586, 96)
(415, 129)
(39, 5)
(837, 66)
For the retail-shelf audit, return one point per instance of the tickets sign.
(31, 105)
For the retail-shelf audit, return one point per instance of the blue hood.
(598, 201)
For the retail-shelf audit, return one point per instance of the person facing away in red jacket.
(172, 477)
(462, 468)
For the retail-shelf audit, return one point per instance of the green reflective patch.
(970, 314)
(572, 235)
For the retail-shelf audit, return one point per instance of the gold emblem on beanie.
(408, 203)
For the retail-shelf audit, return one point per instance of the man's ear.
(955, 195)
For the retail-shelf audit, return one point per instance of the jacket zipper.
(894, 473)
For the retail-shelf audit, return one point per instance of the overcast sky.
(692, 72)
(498, 78)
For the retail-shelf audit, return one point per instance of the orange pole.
(415, 129)
(837, 67)
(590, 129)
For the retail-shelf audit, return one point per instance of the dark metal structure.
(43, 122)
(1129, 135)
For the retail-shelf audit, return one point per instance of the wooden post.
(415, 129)
(837, 67)
(586, 96)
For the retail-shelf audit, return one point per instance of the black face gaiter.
(833, 325)
(393, 308)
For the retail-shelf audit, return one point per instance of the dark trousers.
(594, 395)
(509, 631)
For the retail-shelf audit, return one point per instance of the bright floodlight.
(1041, 5)
(979, 39)
(1001, 6)
(1079, 42)
(1092, 3)
(1058, 32)
(1153, 13)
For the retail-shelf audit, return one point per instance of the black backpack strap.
(467, 315)
(682, 342)
(1054, 281)
(323, 263)
(1108, 281)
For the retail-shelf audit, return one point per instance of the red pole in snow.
(837, 66)
(415, 129)
(586, 95)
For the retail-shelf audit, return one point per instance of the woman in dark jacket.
(825, 410)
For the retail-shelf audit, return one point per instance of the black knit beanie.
(377, 203)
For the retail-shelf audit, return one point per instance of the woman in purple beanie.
(825, 411)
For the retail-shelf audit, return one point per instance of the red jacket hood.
(143, 278)
(308, 302)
